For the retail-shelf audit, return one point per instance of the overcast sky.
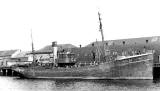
(75, 21)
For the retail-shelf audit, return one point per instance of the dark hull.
(134, 70)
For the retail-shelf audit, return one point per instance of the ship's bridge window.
(66, 55)
(62, 56)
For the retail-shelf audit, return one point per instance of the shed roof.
(7, 53)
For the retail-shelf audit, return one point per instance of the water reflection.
(14, 84)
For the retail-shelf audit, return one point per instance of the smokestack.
(80, 46)
(54, 49)
(92, 44)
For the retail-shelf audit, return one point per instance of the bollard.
(12, 73)
(6, 72)
(1, 72)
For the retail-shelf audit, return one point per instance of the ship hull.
(133, 70)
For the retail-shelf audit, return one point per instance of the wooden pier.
(156, 65)
(7, 71)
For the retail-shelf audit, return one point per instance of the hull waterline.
(134, 70)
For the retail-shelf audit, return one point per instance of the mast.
(101, 30)
(32, 47)
(100, 27)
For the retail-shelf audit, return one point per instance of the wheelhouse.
(66, 59)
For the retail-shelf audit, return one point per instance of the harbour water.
(17, 84)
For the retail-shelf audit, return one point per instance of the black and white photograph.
(79, 45)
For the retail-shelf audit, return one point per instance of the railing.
(87, 63)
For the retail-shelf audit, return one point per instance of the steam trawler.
(106, 64)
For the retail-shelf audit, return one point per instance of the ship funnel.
(54, 49)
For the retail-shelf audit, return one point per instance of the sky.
(75, 21)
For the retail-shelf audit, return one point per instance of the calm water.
(14, 84)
